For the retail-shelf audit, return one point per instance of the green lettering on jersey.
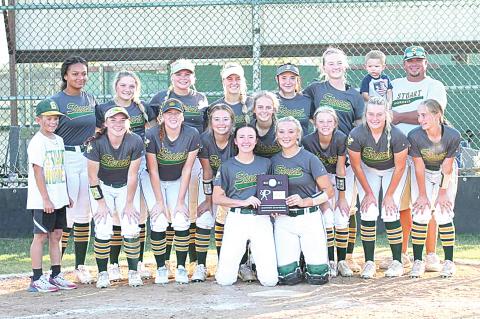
(294, 172)
(75, 111)
(283, 111)
(109, 162)
(165, 157)
(334, 103)
(244, 180)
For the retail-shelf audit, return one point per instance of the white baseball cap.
(232, 68)
(182, 64)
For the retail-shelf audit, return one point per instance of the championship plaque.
(272, 190)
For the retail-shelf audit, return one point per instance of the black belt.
(243, 210)
(301, 211)
(116, 185)
(74, 148)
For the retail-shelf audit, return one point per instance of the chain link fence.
(144, 37)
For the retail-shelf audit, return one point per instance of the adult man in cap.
(408, 93)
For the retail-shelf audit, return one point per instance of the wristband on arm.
(319, 198)
(96, 192)
(340, 183)
(445, 181)
(207, 187)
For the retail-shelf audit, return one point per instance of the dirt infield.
(428, 297)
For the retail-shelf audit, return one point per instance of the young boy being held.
(47, 198)
(375, 83)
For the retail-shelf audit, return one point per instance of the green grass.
(15, 256)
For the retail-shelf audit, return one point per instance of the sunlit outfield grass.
(15, 256)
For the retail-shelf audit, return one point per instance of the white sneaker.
(246, 274)
(162, 275)
(369, 270)
(181, 275)
(418, 269)
(144, 272)
(83, 275)
(169, 266)
(395, 269)
(42, 285)
(114, 272)
(448, 269)
(432, 263)
(134, 279)
(102, 280)
(200, 273)
(406, 261)
(352, 263)
(333, 268)
(343, 269)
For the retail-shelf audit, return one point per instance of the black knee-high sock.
(218, 236)
(81, 236)
(169, 235)
(202, 240)
(132, 250)
(368, 232)
(447, 236)
(352, 233)
(419, 236)
(65, 236)
(395, 238)
(182, 239)
(341, 241)
(158, 243)
(330, 243)
(192, 252)
(142, 241)
(115, 244)
(101, 248)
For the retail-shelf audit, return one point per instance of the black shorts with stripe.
(46, 223)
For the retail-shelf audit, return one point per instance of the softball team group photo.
(179, 170)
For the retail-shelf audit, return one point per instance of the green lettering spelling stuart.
(338, 105)
(244, 180)
(294, 172)
(75, 110)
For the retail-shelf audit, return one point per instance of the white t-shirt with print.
(408, 95)
(47, 153)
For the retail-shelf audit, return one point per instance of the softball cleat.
(448, 269)
(181, 275)
(162, 275)
(134, 279)
(114, 272)
(333, 269)
(369, 270)
(144, 272)
(200, 273)
(83, 275)
(395, 269)
(432, 263)
(418, 269)
(343, 269)
(102, 280)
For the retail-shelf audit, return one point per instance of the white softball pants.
(78, 188)
(116, 198)
(380, 179)
(239, 228)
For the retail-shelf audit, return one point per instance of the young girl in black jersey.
(434, 182)
(114, 157)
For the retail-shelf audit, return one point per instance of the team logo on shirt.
(191, 110)
(332, 160)
(165, 157)
(109, 162)
(334, 103)
(137, 121)
(293, 172)
(215, 161)
(89, 147)
(349, 140)
(74, 110)
(299, 114)
(267, 150)
(244, 180)
(407, 98)
(430, 155)
(370, 155)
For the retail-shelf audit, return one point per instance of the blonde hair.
(171, 87)
(376, 100)
(243, 86)
(297, 124)
(326, 110)
(267, 94)
(434, 107)
(376, 54)
(330, 51)
(220, 107)
(136, 94)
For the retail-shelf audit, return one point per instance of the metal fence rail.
(145, 36)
